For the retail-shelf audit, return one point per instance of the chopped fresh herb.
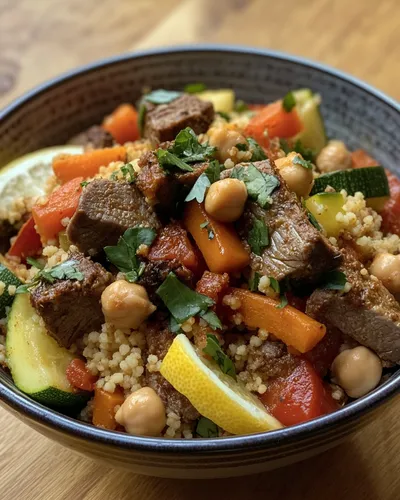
(181, 301)
(211, 234)
(242, 147)
(213, 171)
(258, 237)
(188, 147)
(168, 159)
(288, 102)
(259, 185)
(254, 282)
(257, 150)
(283, 302)
(274, 284)
(214, 350)
(194, 88)
(307, 153)
(212, 319)
(142, 117)
(174, 326)
(123, 255)
(334, 280)
(198, 191)
(313, 220)
(224, 115)
(84, 183)
(34, 263)
(284, 145)
(128, 173)
(204, 224)
(24, 288)
(162, 96)
(240, 106)
(298, 160)
(206, 428)
(284, 286)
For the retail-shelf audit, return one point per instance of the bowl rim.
(47, 417)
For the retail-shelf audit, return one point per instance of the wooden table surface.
(41, 38)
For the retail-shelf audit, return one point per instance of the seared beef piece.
(189, 178)
(368, 312)
(163, 122)
(271, 359)
(159, 339)
(71, 308)
(106, 210)
(213, 285)
(297, 249)
(95, 137)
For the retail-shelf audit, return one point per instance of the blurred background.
(42, 38)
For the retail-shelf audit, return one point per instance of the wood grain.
(41, 38)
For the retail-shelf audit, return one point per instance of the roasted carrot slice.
(123, 124)
(104, 404)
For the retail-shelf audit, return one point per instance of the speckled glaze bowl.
(57, 110)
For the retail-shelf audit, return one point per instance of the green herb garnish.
(210, 175)
(284, 287)
(307, 153)
(34, 263)
(142, 117)
(214, 350)
(204, 224)
(257, 151)
(194, 88)
(123, 255)
(288, 102)
(128, 173)
(258, 237)
(242, 147)
(274, 284)
(254, 281)
(206, 428)
(162, 96)
(333, 280)
(298, 160)
(283, 301)
(168, 159)
(84, 183)
(240, 106)
(313, 220)
(224, 115)
(212, 319)
(259, 185)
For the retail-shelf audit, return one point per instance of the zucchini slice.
(371, 181)
(37, 363)
(324, 207)
(223, 99)
(8, 278)
(313, 134)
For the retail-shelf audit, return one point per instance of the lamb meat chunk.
(189, 178)
(71, 308)
(165, 121)
(271, 359)
(95, 137)
(297, 249)
(106, 210)
(159, 340)
(368, 312)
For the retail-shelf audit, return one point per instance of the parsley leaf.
(307, 153)
(259, 185)
(284, 145)
(194, 88)
(128, 173)
(242, 147)
(288, 102)
(123, 255)
(162, 96)
(198, 191)
(181, 301)
(204, 224)
(213, 171)
(168, 159)
(34, 263)
(284, 301)
(257, 150)
(212, 319)
(313, 220)
(188, 147)
(142, 117)
(240, 106)
(224, 115)
(206, 428)
(274, 284)
(334, 280)
(214, 350)
(211, 234)
(258, 237)
(298, 160)
(254, 282)
(84, 183)
(174, 326)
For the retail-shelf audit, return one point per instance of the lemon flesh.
(215, 395)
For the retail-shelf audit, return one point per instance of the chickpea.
(126, 305)
(224, 138)
(142, 413)
(357, 371)
(225, 200)
(386, 267)
(334, 156)
(298, 178)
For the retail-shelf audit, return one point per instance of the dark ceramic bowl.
(52, 113)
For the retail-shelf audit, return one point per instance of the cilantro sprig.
(162, 96)
(289, 102)
(333, 280)
(260, 185)
(211, 174)
(123, 255)
(307, 153)
(127, 172)
(194, 88)
(257, 151)
(298, 160)
(206, 428)
(258, 237)
(214, 350)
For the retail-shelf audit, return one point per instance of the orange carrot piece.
(218, 242)
(123, 124)
(67, 167)
(62, 203)
(290, 325)
(362, 159)
(79, 376)
(273, 121)
(104, 404)
(27, 242)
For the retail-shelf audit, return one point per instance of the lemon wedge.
(27, 175)
(215, 395)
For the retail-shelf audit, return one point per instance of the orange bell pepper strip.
(288, 324)
(123, 124)
(62, 203)
(218, 242)
(104, 404)
(67, 167)
(273, 121)
(27, 242)
(79, 376)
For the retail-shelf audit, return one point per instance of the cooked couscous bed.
(189, 269)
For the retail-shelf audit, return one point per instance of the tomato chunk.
(299, 397)
(79, 376)
(391, 211)
(362, 159)
(27, 243)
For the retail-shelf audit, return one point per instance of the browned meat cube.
(95, 137)
(163, 122)
(368, 312)
(271, 359)
(71, 308)
(297, 249)
(106, 210)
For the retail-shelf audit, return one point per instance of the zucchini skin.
(8, 278)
